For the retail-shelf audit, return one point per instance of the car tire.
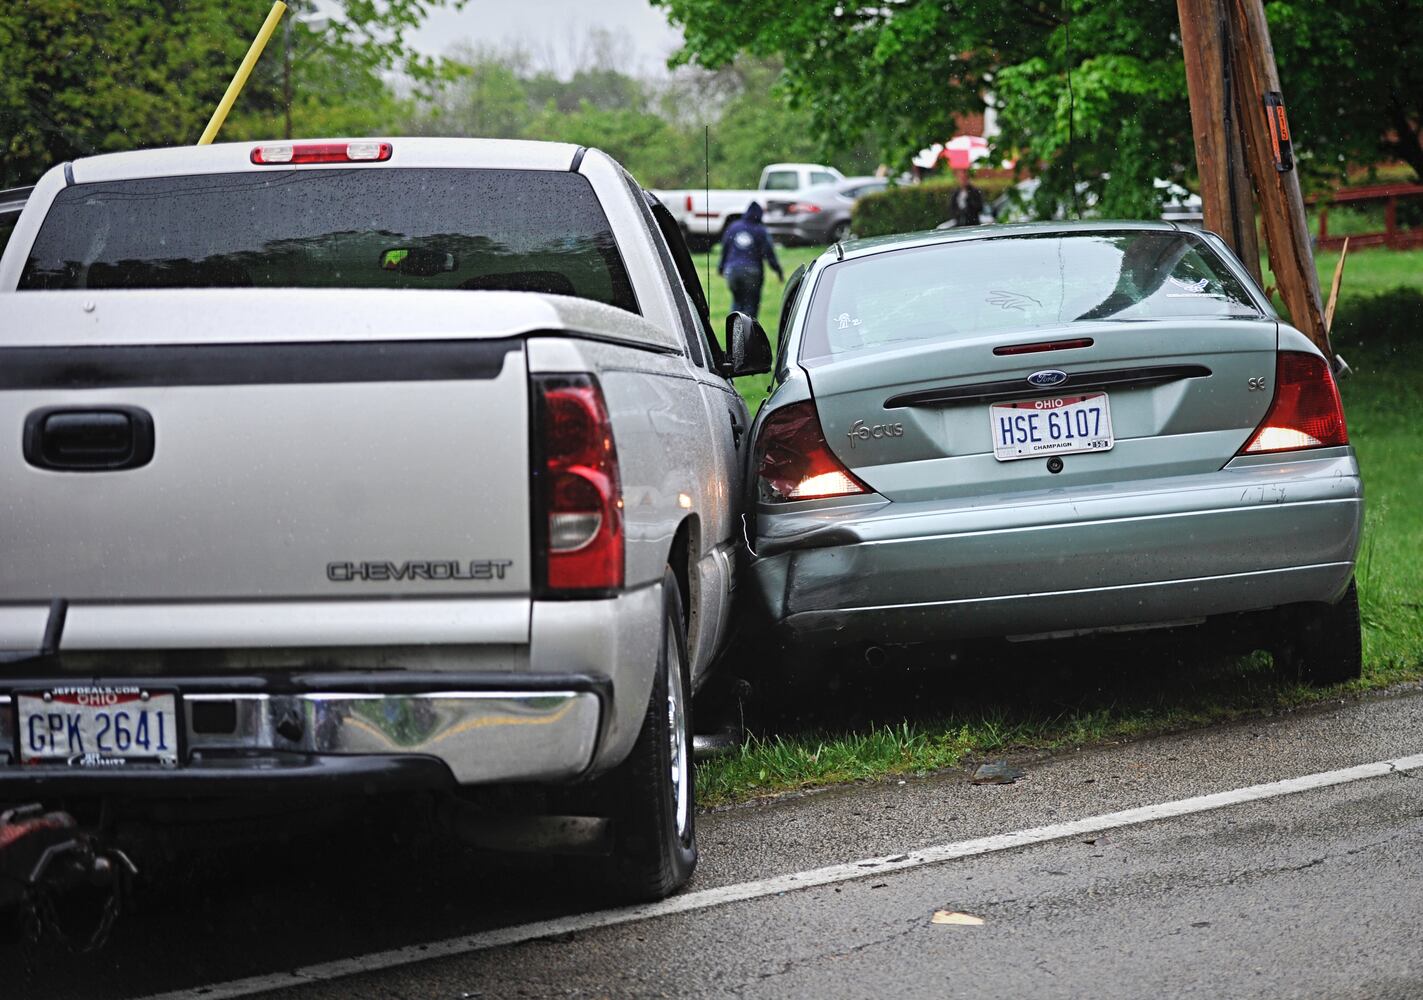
(840, 231)
(652, 794)
(1321, 644)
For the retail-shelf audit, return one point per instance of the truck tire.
(1321, 644)
(652, 792)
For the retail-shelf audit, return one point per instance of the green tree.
(898, 73)
(1353, 77)
(751, 131)
(1352, 72)
(485, 97)
(654, 150)
(1118, 124)
(92, 76)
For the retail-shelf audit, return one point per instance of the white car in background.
(704, 215)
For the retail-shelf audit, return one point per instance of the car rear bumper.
(375, 731)
(789, 231)
(1253, 536)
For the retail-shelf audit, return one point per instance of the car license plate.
(1056, 425)
(98, 726)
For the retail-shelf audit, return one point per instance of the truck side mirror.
(748, 349)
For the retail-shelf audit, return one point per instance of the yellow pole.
(239, 79)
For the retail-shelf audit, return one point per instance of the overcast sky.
(552, 29)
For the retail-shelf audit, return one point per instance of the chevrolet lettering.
(475, 569)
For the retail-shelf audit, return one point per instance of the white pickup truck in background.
(352, 465)
(704, 215)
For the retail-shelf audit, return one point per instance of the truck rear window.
(509, 230)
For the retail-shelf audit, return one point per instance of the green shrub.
(1391, 320)
(912, 207)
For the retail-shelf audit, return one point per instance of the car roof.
(830, 189)
(933, 237)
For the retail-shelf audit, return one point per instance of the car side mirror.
(748, 349)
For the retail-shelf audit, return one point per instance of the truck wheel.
(652, 793)
(1321, 644)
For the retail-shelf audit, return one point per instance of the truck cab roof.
(405, 152)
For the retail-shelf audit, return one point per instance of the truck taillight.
(689, 203)
(1306, 411)
(576, 488)
(794, 462)
(280, 154)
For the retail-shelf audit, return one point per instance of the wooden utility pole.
(1226, 199)
(1231, 73)
(1278, 191)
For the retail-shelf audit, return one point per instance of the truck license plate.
(98, 726)
(1054, 426)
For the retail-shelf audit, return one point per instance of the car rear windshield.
(1004, 283)
(512, 230)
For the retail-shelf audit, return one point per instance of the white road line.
(870, 867)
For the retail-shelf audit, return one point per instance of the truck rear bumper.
(386, 731)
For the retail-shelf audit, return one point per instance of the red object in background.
(962, 150)
(1389, 195)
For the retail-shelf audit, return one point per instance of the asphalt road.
(1314, 894)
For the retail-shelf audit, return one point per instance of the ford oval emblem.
(1047, 379)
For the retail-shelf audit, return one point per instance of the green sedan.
(1047, 430)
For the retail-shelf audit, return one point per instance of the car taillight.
(1306, 411)
(280, 154)
(576, 488)
(801, 208)
(793, 461)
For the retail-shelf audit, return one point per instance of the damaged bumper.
(1253, 536)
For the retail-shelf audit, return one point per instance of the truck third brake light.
(285, 153)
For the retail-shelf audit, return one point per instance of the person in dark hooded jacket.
(745, 247)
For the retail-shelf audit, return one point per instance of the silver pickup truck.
(354, 465)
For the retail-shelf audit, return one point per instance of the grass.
(930, 714)
(754, 389)
(998, 708)
(1383, 347)
(1367, 272)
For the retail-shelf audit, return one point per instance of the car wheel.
(1321, 643)
(840, 231)
(652, 793)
